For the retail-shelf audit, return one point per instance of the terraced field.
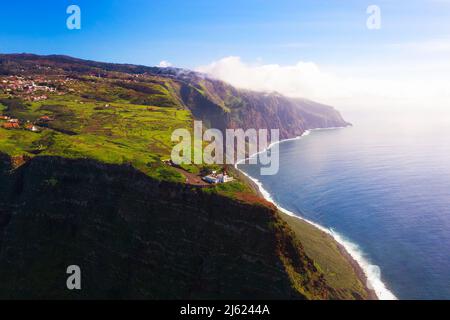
(114, 132)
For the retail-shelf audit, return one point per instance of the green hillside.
(87, 157)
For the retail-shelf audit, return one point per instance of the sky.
(322, 50)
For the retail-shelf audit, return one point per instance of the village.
(7, 122)
(32, 89)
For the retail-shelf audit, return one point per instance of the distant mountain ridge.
(217, 103)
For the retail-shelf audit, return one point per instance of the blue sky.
(318, 49)
(191, 33)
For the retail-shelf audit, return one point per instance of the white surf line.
(371, 271)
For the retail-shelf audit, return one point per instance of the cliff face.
(223, 106)
(133, 233)
(134, 237)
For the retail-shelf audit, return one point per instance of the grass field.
(115, 132)
(109, 120)
(322, 248)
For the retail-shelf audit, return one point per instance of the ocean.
(382, 188)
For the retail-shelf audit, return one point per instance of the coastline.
(368, 273)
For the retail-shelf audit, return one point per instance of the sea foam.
(371, 271)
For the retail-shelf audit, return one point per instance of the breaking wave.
(371, 271)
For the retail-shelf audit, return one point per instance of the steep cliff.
(90, 188)
(223, 106)
(135, 237)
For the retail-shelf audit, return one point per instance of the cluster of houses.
(33, 89)
(37, 98)
(10, 84)
(10, 123)
(215, 177)
(7, 122)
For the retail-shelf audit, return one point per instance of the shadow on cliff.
(137, 238)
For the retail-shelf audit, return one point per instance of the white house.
(217, 178)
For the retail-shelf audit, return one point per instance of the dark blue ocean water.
(384, 185)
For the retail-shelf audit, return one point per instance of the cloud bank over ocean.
(356, 86)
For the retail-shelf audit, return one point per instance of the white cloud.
(303, 79)
(369, 86)
(164, 64)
